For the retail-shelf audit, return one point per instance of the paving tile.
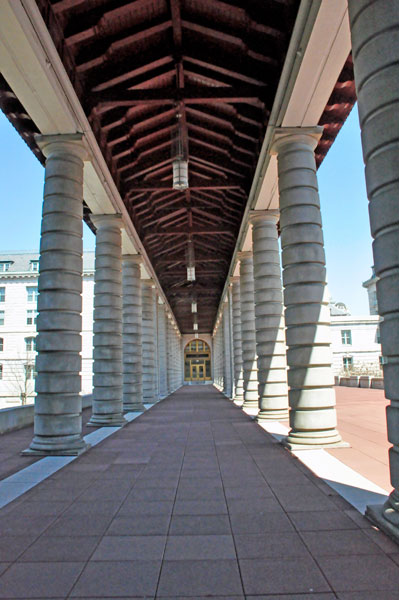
(321, 520)
(98, 507)
(151, 494)
(200, 494)
(198, 547)
(72, 526)
(12, 546)
(282, 576)
(200, 525)
(326, 596)
(248, 492)
(141, 507)
(302, 498)
(123, 578)
(140, 525)
(19, 524)
(254, 523)
(371, 595)
(130, 548)
(200, 507)
(339, 543)
(269, 545)
(59, 549)
(199, 577)
(253, 505)
(360, 573)
(39, 580)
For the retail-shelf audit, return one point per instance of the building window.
(31, 317)
(346, 336)
(1, 317)
(30, 344)
(32, 293)
(347, 362)
(34, 265)
(1, 371)
(5, 265)
(1, 344)
(30, 372)
(2, 294)
(378, 335)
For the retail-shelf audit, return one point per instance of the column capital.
(295, 135)
(244, 255)
(111, 220)
(69, 143)
(147, 282)
(256, 216)
(132, 258)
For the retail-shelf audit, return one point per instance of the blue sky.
(342, 194)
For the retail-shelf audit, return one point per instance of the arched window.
(197, 361)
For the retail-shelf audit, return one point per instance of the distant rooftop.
(21, 262)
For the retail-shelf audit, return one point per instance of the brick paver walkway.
(191, 500)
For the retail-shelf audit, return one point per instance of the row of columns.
(272, 329)
(137, 356)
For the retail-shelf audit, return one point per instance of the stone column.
(107, 326)
(132, 347)
(58, 405)
(375, 29)
(269, 318)
(227, 383)
(237, 347)
(248, 340)
(162, 342)
(310, 377)
(168, 354)
(148, 341)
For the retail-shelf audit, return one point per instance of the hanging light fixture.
(195, 326)
(180, 159)
(193, 307)
(190, 260)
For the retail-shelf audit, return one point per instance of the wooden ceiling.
(144, 68)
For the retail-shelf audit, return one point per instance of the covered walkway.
(193, 499)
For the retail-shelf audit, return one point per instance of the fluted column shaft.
(107, 407)
(132, 347)
(58, 405)
(237, 347)
(148, 341)
(248, 339)
(310, 376)
(162, 349)
(269, 319)
(375, 34)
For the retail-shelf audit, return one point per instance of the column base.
(107, 421)
(250, 404)
(272, 415)
(39, 449)
(375, 514)
(134, 407)
(298, 441)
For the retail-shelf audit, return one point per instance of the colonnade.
(137, 354)
(282, 325)
(271, 349)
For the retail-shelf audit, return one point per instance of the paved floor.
(191, 500)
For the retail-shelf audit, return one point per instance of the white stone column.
(269, 318)
(227, 374)
(375, 31)
(162, 343)
(310, 377)
(237, 347)
(169, 354)
(148, 341)
(58, 405)
(248, 340)
(132, 346)
(107, 408)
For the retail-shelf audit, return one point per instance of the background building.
(18, 311)
(371, 287)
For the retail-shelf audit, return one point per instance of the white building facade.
(18, 312)
(355, 343)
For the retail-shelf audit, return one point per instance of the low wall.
(17, 417)
(363, 381)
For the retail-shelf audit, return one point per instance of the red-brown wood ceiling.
(135, 64)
